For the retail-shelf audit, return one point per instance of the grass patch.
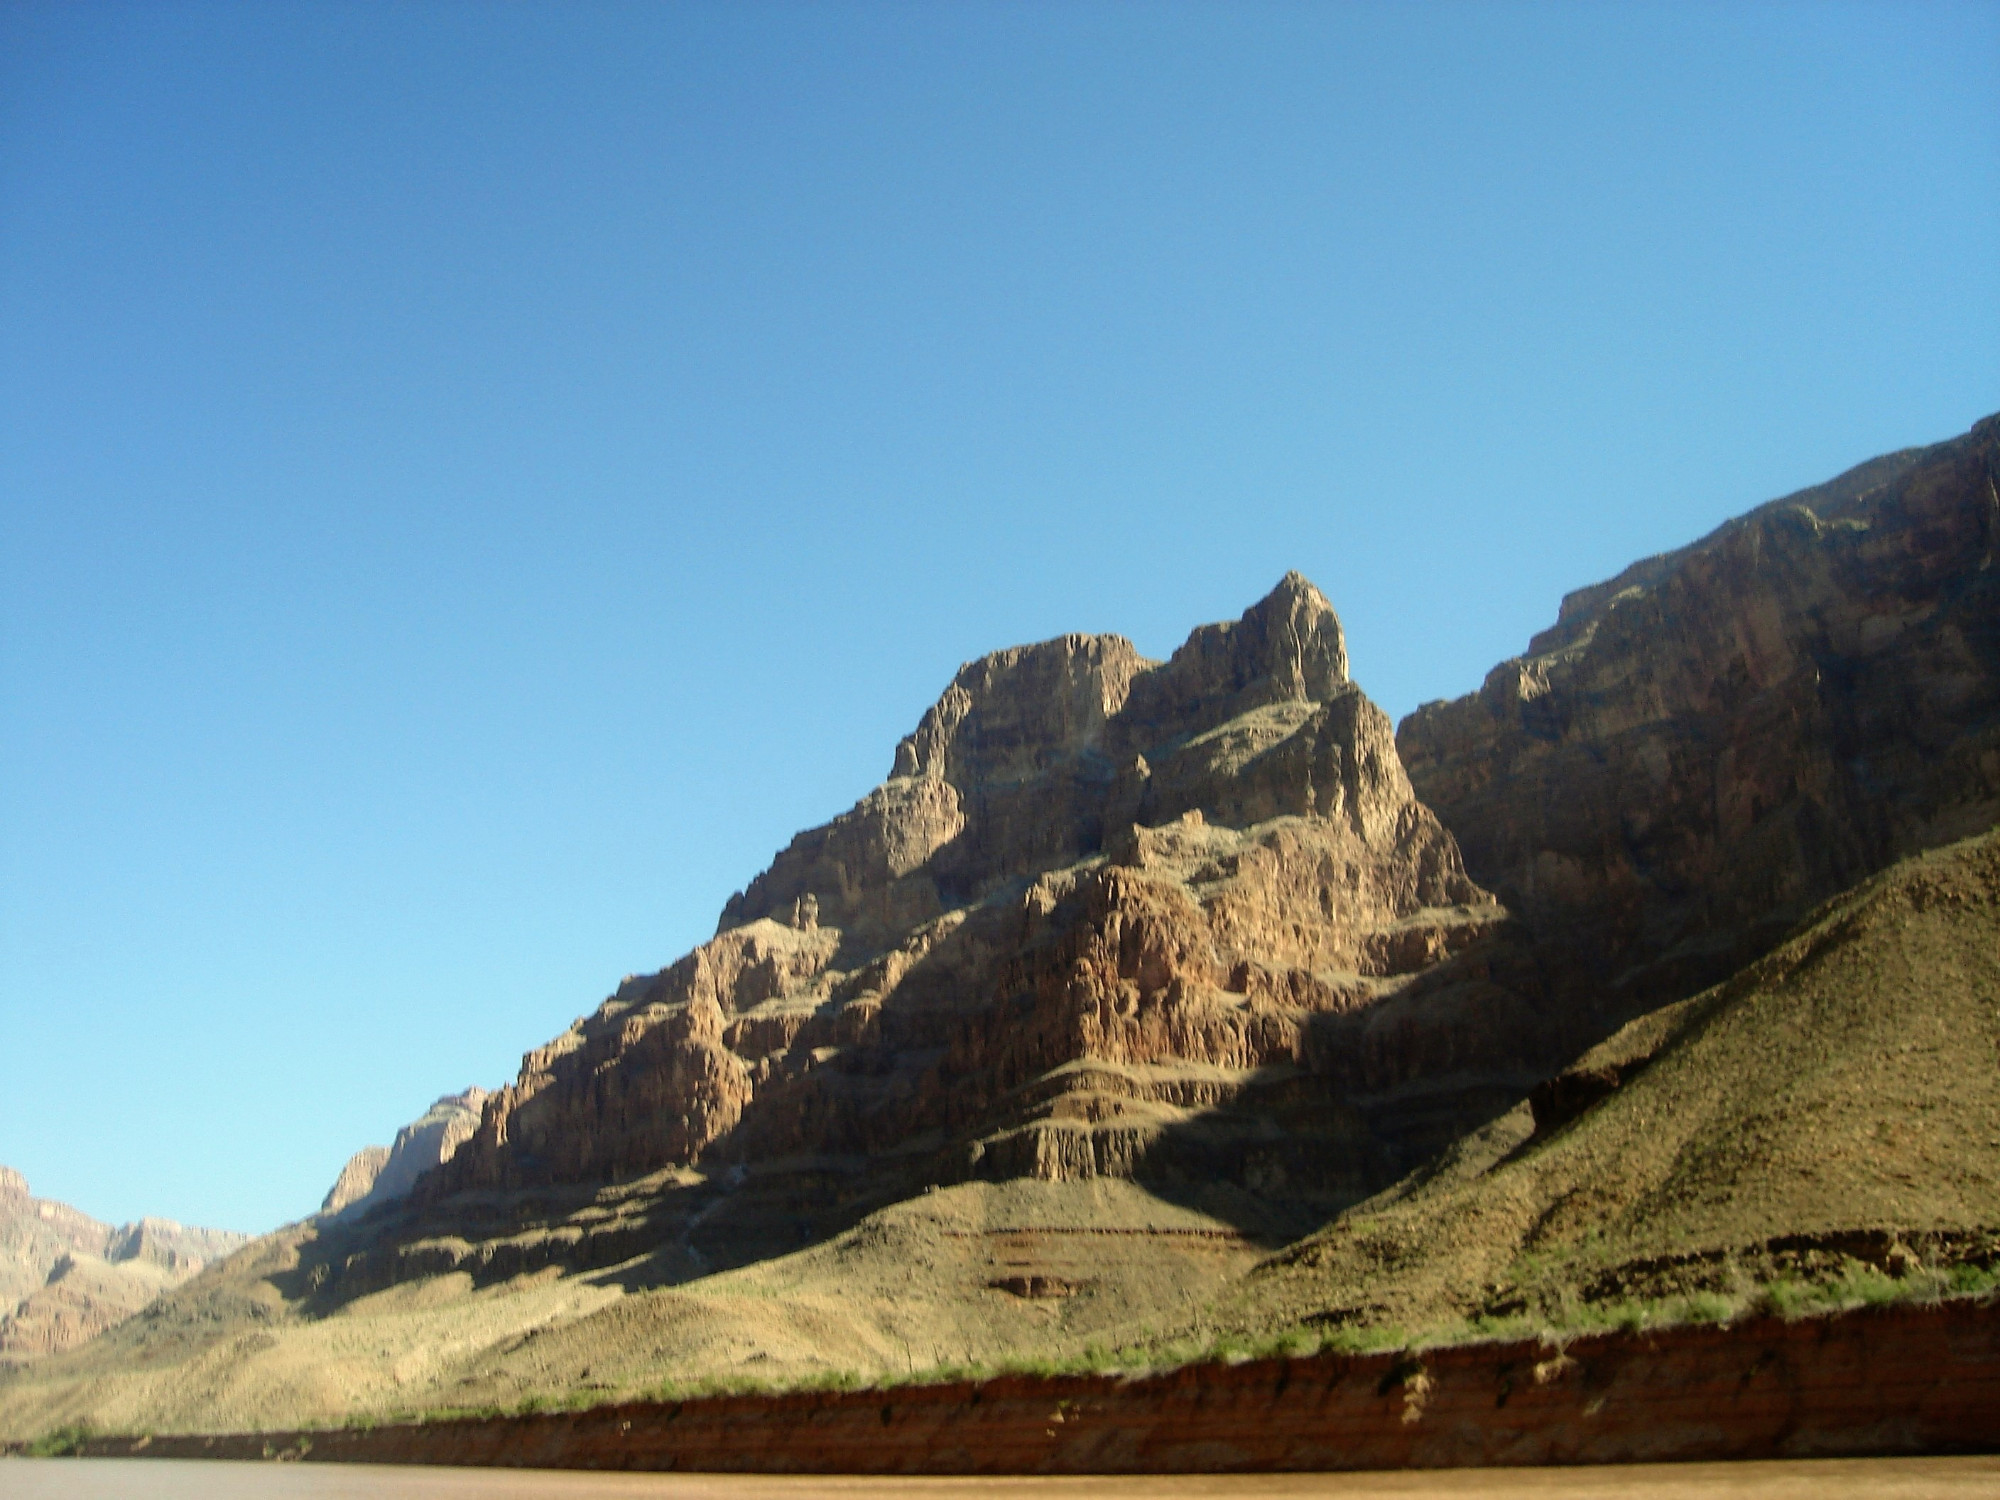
(1554, 1312)
(62, 1442)
(696, 1387)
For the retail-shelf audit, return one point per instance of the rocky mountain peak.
(1014, 713)
(375, 1175)
(1035, 753)
(1133, 971)
(1287, 648)
(1080, 856)
(1018, 713)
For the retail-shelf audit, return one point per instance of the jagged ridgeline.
(1178, 922)
(1708, 745)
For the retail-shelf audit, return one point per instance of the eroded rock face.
(1710, 743)
(1033, 754)
(375, 1175)
(1107, 916)
(1189, 921)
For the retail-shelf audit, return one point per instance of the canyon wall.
(1192, 922)
(1106, 917)
(1131, 973)
(375, 1175)
(1707, 745)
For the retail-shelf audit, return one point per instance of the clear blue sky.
(474, 479)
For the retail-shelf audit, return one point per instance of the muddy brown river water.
(1807, 1479)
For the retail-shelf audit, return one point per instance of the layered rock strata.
(1707, 745)
(1107, 916)
(1189, 922)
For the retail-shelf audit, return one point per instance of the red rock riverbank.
(1898, 1380)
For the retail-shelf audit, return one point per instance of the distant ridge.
(65, 1278)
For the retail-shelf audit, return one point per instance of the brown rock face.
(35, 1233)
(82, 1297)
(1873, 1381)
(1106, 917)
(1032, 755)
(1189, 923)
(1707, 745)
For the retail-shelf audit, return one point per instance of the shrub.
(63, 1442)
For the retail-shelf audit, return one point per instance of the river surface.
(190, 1479)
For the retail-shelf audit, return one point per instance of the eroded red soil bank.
(1884, 1381)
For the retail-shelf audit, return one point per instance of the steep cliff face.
(356, 1179)
(35, 1233)
(1107, 917)
(375, 1175)
(1710, 743)
(1032, 755)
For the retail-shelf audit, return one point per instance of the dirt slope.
(1836, 1104)
(977, 1273)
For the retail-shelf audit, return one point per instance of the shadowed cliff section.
(1709, 744)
